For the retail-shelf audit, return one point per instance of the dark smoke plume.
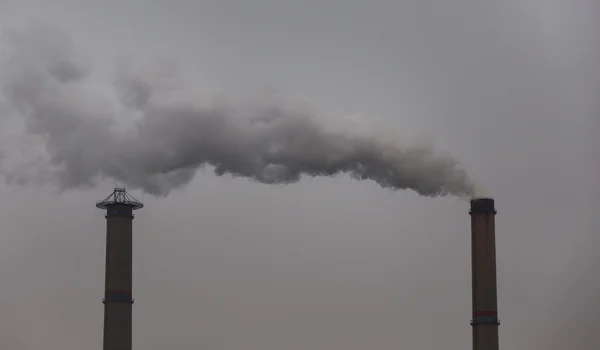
(171, 137)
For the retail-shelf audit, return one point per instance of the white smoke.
(45, 87)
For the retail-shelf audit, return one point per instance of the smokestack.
(118, 299)
(483, 264)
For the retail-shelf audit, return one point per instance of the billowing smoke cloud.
(171, 137)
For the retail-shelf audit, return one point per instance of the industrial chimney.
(483, 264)
(117, 300)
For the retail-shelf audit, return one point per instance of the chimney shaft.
(483, 264)
(118, 299)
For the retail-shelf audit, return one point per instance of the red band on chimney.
(484, 313)
(118, 292)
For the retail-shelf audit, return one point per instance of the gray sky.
(510, 88)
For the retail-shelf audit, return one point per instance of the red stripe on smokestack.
(119, 292)
(485, 313)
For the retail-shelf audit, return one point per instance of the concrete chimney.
(483, 264)
(118, 300)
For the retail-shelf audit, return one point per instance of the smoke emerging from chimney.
(172, 136)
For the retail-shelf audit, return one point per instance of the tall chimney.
(117, 300)
(483, 264)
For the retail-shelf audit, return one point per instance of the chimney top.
(120, 197)
(482, 205)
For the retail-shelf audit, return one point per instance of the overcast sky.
(509, 87)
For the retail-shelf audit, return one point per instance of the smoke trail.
(171, 138)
